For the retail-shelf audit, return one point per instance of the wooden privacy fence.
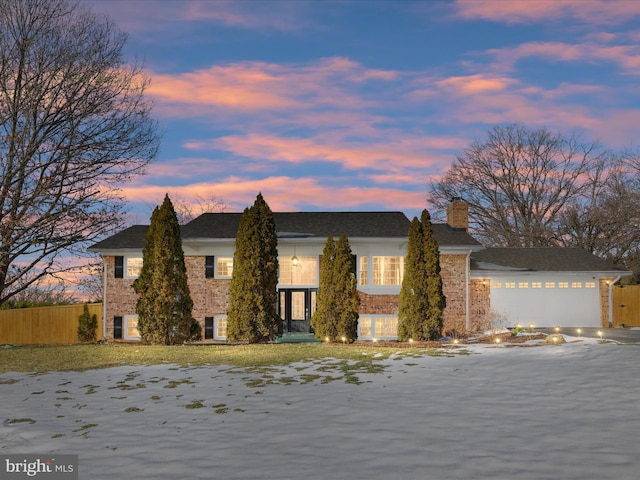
(626, 306)
(44, 325)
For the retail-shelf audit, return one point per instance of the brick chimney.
(458, 214)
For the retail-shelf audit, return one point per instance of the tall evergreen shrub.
(164, 304)
(336, 315)
(422, 300)
(252, 315)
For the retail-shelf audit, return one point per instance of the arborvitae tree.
(414, 303)
(252, 315)
(436, 298)
(325, 320)
(346, 291)
(164, 305)
(336, 315)
(87, 326)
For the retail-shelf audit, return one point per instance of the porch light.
(295, 261)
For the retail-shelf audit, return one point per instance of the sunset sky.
(358, 105)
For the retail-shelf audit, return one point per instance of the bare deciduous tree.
(74, 124)
(517, 183)
(187, 210)
(605, 221)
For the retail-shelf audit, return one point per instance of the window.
(220, 327)
(130, 327)
(379, 327)
(304, 273)
(388, 270)
(523, 284)
(549, 284)
(536, 284)
(225, 266)
(576, 284)
(363, 271)
(364, 327)
(563, 284)
(509, 284)
(496, 284)
(589, 284)
(134, 267)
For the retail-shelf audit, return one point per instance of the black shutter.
(354, 265)
(119, 268)
(117, 326)
(209, 263)
(208, 328)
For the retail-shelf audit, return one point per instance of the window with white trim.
(363, 271)
(576, 284)
(381, 327)
(536, 284)
(509, 284)
(304, 272)
(130, 327)
(549, 284)
(220, 327)
(563, 284)
(388, 270)
(133, 267)
(523, 284)
(589, 284)
(225, 267)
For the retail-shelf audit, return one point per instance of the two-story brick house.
(378, 241)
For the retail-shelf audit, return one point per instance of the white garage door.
(547, 302)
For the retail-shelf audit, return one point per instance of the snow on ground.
(548, 412)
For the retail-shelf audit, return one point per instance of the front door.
(296, 306)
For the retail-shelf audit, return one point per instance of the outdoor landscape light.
(326, 339)
(557, 329)
(579, 331)
(344, 339)
(498, 340)
(411, 340)
(600, 334)
(455, 340)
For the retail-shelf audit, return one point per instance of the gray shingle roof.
(296, 224)
(539, 260)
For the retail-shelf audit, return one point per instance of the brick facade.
(454, 286)
(211, 296)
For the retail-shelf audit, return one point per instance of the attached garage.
(546, 287)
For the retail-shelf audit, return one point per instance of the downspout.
(467, 293)
(104, 299)
(611, 300)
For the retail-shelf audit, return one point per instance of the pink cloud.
(390, 155)
(261, 86)
(475, 84)
(285, 193)
(527, 11)
(627, 57)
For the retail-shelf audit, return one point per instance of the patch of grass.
(57, 435)
(133, 409)
(87, 426)
(195, 404)
(175, 383)
(30, 421)
(222, 408)
(80, 357)
(9, 381)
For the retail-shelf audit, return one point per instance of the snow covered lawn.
(548, 412)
